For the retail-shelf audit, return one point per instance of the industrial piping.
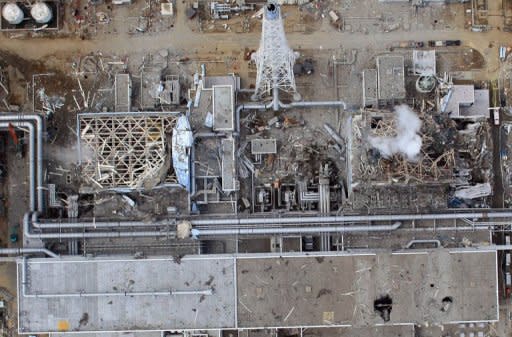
(275, 221)
(38, 120)
(22, 251)
(351, 218)
(295, 230)
(27, 232)
(95, 224)
(292, 222)
(262, 106)
(32, 168)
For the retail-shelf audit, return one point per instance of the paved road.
(182, 38)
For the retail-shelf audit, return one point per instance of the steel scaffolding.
(127, 150)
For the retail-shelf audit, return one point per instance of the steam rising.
(407, 142)
(69, 154)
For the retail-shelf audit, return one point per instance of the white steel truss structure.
(274, 58)
(125, 150)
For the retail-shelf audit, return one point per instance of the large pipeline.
(18, 119)
(32, 164)
(249, 226)
(27, 232)
(294, 220)
(23, 251)
(351, 218)
(317, 104)
(294, 230)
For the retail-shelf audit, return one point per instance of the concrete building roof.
(257, 291)
(391, 77)
(468, 102)
(341, 290)
(480, 108)
(223, 108)
(68, 294)
(369, 87)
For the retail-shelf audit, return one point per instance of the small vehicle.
(503, 53)
(411, 44)
(13, 233)
(453, 42)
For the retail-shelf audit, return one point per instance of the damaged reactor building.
(332, 181)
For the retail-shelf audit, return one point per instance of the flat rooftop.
(255, 291)
(341, 290)
(391, 77)
(223, 108)
(114, 295)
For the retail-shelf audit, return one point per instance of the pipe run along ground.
(32, 164)
(241, 226)
(37, 120)
(22, 251)
(29, 234)
(294, 230)
(351, 218)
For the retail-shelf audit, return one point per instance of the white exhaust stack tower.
(274, 58)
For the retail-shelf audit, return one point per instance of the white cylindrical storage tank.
(41, 12)
(12, 13)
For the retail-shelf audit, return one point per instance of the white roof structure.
(424, 62)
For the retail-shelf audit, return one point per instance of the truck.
(410, 44)
(453, 43)
(438, 43)
(496, 116)
(444, 43)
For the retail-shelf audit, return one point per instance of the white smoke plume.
(407, 142)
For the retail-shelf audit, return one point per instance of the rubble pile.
(434, 163)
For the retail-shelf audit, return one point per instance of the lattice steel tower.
(274, 58)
